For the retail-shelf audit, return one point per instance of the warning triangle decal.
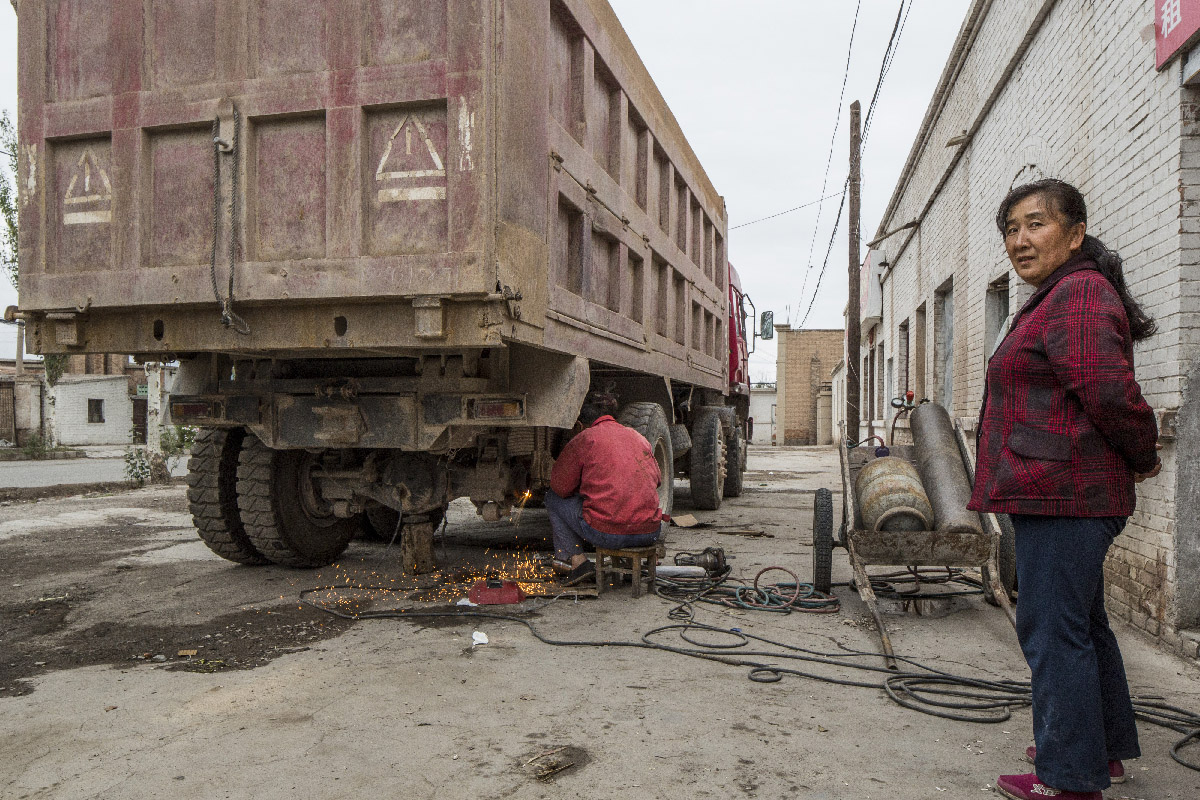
(88, 198)
(410, 155)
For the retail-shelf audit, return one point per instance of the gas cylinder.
(890, 496)
(940, 465)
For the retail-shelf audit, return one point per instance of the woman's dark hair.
(595, 406)
(1068, 202)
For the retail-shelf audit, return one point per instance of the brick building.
(804, 396)
(1043, 88)
(28, 406)
(91, 409)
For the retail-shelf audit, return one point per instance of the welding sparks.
(354, 591)
(515, 516)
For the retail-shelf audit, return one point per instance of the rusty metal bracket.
(512, 297)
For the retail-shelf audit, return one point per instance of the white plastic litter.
(478, 637)
(463, 601)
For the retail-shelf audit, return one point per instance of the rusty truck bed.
(391, 176)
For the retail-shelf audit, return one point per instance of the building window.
(996, 315)
(902, 358)
(881, 387)
(891, 389)
(868, 389)
(95, 410)
(918, 385)
(943, 324)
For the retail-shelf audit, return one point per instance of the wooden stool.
(634, 557)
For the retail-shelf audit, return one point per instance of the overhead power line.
(781, 213)
(837, 120)
(889, 54)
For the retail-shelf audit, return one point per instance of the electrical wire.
(837, 121)
(889, 55)
(919, 687)
(721, 590)
(789, 211)
(886, 585)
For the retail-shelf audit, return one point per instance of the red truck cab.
(740, 336)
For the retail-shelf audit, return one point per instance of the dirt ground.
(135, 664)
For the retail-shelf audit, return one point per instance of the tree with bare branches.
(8, 198)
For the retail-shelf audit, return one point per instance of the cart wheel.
(1008, 561)
(823, 541)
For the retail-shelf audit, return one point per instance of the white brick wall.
(1084, 104)
(762, 411)
(69, 414)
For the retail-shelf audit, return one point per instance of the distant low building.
(91, 409)
(804, 394)
(762, 412)
(29, 408)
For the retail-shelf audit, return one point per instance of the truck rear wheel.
(212, 495)
(285, 516)
(650, 421)
(735, 461)
(379, 523)
(708, 468)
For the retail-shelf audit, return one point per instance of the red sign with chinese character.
(1174, 23)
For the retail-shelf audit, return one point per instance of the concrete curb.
(29, 494)
(49, 455)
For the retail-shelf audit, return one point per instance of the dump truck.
(391, 244)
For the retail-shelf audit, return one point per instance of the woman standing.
(1064, 436)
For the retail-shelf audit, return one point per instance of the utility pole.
(853, 331)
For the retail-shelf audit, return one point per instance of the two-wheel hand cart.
(921, 548)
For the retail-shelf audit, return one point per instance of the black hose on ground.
(921, 688)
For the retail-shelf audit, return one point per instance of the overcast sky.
(755, 85)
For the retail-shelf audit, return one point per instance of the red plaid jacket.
(1064, 426)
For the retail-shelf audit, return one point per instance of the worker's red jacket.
(615, 471)
(1064, 426)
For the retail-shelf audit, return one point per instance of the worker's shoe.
(584, 573)
(1116, 770)
(1028, 787)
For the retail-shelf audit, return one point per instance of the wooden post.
(416, 548)
(19, 367)
(853, 330)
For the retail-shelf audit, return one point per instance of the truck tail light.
(193, 410)
(497, 409)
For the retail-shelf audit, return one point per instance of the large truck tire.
(735, 460)
(282, 511)
(708, 469)
(212, 495)
(650, 421)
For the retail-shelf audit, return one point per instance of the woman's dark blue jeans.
(1082, 714)
(571, 531)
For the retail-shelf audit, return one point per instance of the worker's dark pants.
(571, 532)
(1082, 714)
